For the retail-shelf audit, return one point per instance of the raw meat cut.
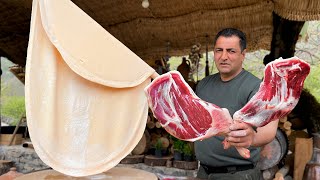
(278, 93)
(187, 117)
(181, 112)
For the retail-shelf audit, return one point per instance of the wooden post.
(16, 130)
(303, 153)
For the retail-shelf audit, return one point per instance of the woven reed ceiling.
(166, 26)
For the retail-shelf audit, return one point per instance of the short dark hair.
(228, 32)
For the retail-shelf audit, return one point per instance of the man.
(232, 87)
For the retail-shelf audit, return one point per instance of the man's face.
(228, 57)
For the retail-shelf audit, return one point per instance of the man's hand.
(241, 135)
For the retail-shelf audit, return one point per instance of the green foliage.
(12, 94)
(158, 145)
(187, 150)
(312, 82)
(14, 107)
(178, 145)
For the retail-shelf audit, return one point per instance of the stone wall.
(26, 161)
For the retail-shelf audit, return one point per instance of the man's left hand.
(241, 134)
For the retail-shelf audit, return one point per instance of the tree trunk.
(284, 38)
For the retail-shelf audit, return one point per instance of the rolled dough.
(86, 108)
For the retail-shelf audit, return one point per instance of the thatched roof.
(302, 10)
(165, 26)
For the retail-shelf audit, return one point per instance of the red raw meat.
(184, 115)
(278, 94)
(181, 112)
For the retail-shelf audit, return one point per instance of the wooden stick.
(15, 131)
(162, 63)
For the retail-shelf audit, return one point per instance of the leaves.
(14, 107)
(312, 83)
(187, 150)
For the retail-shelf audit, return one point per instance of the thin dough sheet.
(83, 118)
